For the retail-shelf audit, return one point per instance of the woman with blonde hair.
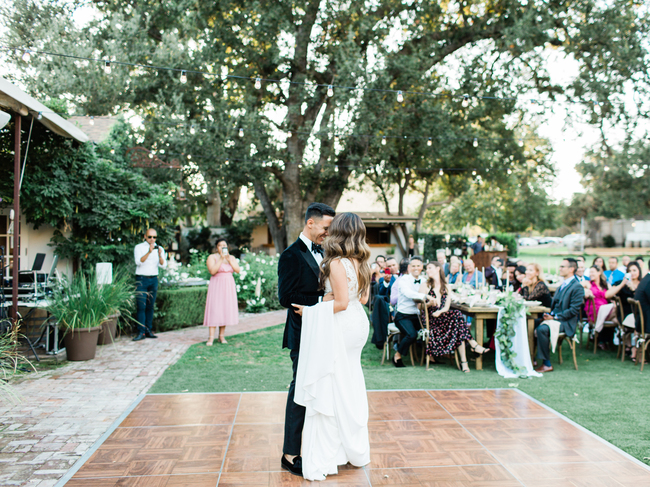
(329, 380)
(448, 330)
(533, 287)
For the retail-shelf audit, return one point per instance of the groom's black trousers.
(294, 417)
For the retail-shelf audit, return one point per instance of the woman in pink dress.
(221, 304)
(599, 309)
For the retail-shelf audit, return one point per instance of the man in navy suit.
(298, 283)
(565, 308)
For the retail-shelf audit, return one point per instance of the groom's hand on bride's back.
(298, 308)
(328, 297)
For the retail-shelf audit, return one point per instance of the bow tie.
(315, 248)
(417, 281)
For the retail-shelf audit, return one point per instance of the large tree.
(288, 153)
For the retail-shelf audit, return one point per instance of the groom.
(298, 283)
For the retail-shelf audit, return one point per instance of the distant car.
(574, 240)
(528, 242)
(550, 240)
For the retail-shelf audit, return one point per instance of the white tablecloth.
(520, 347)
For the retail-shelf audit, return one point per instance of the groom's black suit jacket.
(297, 284)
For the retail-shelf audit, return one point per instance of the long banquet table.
(482, 313)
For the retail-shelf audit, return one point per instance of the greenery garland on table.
(512, 309)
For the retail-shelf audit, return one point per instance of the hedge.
(433, 242)
(508, 240)
(179, 308)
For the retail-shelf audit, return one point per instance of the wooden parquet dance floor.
(486, 438)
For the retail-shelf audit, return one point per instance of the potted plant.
(119, 300)
(80, 307)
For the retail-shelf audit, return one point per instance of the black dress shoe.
(149, 334)
(294, 468)
(138, 337)
(398, 363)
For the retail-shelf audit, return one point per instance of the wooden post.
(16, 253)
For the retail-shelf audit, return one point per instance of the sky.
(569, 141)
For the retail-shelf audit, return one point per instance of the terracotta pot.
(109, 331)
(81, 344)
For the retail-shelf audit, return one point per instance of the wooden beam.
(14, 271)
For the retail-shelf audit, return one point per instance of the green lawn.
(605, 396)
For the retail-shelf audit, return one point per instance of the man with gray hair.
(441, 257)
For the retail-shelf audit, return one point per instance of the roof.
(381, 217)
(14, 99)
(98, 130)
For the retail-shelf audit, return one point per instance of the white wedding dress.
(331, 386)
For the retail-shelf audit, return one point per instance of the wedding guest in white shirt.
(407, 315)
(149, 257)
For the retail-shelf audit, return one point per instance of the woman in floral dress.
(448, 330)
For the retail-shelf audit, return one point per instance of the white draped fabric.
(331, 386)
(519, 346)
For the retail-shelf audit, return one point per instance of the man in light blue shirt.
(613, 275)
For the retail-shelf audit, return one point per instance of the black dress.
(447, 331)
(540, 293)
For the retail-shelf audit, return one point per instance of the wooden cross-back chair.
(642, 340)
(592, 324)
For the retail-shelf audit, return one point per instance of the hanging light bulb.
(151, 155)
(258, 83)
(112, 151)
(241, 132)
(27, 55)
(407, 171)
(336, 168)
(289, 134)
(521, 142)
(475, 143)
(473, 173)
(429, 142)
(400, 97)
(227, 162)
(92, 120)
(606, 168)
(509, 171)
(383, 140)
(336, 138)
(183, 77)
(39, 116)
(441, 173)
(189, 157)
(330, 91)
(192, 130)
(107, 67)
(465, 101)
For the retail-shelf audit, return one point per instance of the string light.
(509, 171)
(241, 132)
(151, 155)
(258, 83)
(289, 134)
(330, 91)
(107, 67)
(475, 143)
(465, 101)
(27, 55)
(183, 77)
(521, 142)
(112, 151)
(189, 157)
(39, 116)
(192, 130)
(606, 168)
(336, 168)
(441, 173)
(429, 142)
(92, 120)
(473, 173)
(336, 138)
(383, 140)
(400, 97)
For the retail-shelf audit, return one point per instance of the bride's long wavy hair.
(347, 238)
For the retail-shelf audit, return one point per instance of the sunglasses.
(152, 236)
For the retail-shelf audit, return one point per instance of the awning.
(14, 99)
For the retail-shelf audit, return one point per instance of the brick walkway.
(64, 411)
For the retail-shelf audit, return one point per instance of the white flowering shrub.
(257, 283)
(176, 271)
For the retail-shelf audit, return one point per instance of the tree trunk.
(233, 201)
(213, 216)
(278, 232)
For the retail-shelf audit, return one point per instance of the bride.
(329, 380)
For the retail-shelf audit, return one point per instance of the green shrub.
(508, 240)
(433, 242)
(256, 268)
(179, 308)
(609, 241)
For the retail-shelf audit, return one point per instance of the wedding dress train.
(331, 386)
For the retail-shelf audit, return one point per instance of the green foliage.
(179, 307)
(10, 359)
(512, 311)
(435, 242)
(239, 235)
(257, 283)
(609, 241)
(82, 303)
(200, 239)
(508, 240)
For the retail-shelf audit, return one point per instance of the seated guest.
(626, 290)
(599, 262)
(511, 266)
(455, 276)
(597, 308)
(378, 268)
(520, 275)
(441, 257)
(448, 330)
(613, 275)
(565, 308)
(403, 270)
(639, 260)
(406, 317)
(391, 272)
(580, 275)
(471, 276)
(642, 295)
(533, 287)
(494, 272)
(625, 261)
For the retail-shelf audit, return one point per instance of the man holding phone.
(149, 256)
